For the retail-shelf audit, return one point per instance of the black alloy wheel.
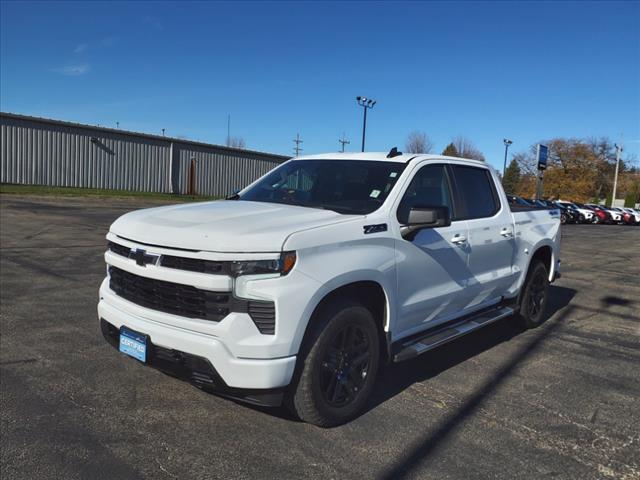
(345, 365)
(337, 365)
(537, 294)
(533, 303)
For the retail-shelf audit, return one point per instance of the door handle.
(458, 239)
(506, 232)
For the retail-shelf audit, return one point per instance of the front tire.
(533, 304)
(338, 372)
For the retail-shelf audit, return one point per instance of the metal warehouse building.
(38, 151)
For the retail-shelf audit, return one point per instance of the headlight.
(282, 265)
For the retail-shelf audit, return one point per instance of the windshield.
(345, 186)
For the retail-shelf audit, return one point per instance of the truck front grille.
(188, 301)
(180, 263)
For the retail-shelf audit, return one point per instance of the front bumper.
(196, 370)
(234, 372)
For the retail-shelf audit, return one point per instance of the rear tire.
(533, 303)
(336, 375)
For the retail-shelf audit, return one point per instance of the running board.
(439, 336)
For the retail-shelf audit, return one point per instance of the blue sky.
(485, 70)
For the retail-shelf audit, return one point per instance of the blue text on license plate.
(133, 344)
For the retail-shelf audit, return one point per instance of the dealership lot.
(560, 401)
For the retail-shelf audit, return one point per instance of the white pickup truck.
(296, 288)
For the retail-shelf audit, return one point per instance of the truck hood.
(223, 225)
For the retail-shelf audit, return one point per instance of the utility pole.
(117, 124)
(344, 141)
(366, 104)
(297, 149)
(228, 130)
(163, 132)
(615, 178)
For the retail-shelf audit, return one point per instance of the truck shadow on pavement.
(398, 377)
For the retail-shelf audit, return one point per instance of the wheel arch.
(543, 252)
(370, 293)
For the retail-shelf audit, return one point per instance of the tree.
(578, 170)
(418, 142)
(450, 151)
(466, 148)
(237, 142)
(511, 180)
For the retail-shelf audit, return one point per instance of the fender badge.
(381, 227)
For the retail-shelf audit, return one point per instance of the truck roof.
(382, 157)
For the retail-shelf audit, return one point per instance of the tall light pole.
(366, 104)
(506, 142)
(615, 178)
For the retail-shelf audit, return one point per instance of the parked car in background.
(515, 200)
(634, 213)
(616, 215)
(584, 214)
(627, 217)
(602, 215)
(567, 215)
(537, 203)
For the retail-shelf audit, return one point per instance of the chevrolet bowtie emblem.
(143, 258)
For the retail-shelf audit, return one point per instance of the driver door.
(432, 266)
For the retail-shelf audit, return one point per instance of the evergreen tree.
(451, 151)
(511, 178)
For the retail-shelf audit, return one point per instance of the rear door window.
(476, 190)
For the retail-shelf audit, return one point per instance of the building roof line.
(118, 131)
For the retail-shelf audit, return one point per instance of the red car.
(601, 215)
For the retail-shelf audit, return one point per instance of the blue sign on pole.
(542, 154)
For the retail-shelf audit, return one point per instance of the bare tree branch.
(418, 142)
(466, 148)
(237, 142)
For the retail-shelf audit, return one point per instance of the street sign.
(542, 153)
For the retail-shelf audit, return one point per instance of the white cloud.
(73, 70)
(81, 47)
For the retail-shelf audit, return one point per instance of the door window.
(428, 188)
(476, 190)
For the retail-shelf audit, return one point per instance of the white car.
(586, 215)
(616, 214)
(300, 285)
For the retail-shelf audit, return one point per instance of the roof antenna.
(393, 153)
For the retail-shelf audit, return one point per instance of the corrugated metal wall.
(47, 152)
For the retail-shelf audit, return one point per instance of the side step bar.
(439, 336)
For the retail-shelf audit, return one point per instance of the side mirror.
(426, 217)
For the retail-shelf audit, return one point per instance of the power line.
(343, 141)
(297, 149)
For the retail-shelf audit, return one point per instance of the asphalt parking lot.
(560, 401)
